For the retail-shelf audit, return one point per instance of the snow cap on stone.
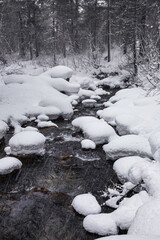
(86, 204)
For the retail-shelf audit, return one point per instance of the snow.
(89, 102)
(85, 93)
(43, 117)
(146, 221)
(44, 124)
(63, 86)
(154, 141)
(32, 96)
(128, 145)
(102, 224)
(88, 144)
(96, 130)
(123, 165)
(84, 81)
(9, 164)
(130, 237)
(129, 93)
(86, 204)
(118, 81)
(60, 103)
(129, 206)
(3, 129)
(59, 72)
(26, 142)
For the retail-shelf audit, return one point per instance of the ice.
(96, 130)
(130, 237)
(101, 224)
(59, 72)
(146, 221)
(128, 145)
(9, 164)
(123, 165)
(86, 204)
(45, 124)
(3, 129)
(88, 144)
(27, 142)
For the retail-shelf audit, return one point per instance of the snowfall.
(128, 129)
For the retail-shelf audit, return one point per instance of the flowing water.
(35, 203)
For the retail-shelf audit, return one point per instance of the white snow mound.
(130, 237)
(101, 224)
(88, 144)
(128, 145)
(146, 221)
(9, 164)
(123, 165)
(95, 129)
(86, 204)
(27, 142)
(59, 72)
(3, 129)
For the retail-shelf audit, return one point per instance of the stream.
(35, 203)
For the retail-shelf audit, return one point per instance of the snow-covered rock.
(129, 93)
(43, 117)
(84, 81)
(127, 209)
(34, 94)
(88, 144)
(126, 123)
(86, 204)
(59, 72)
(123, 165)
(3, 129)
(96, 130)
(128, 145)
(63, 104)
(154, 141)
(130, 237)
(85, 93)
(63, 86)
(9, 164)
(89, 102)
(45, 124)
(101, 224)
(146, 221)
(27, 142)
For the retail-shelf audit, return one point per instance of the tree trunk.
(135, 40)
(21, 37)
(109, 32)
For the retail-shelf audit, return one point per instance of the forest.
(88, 28)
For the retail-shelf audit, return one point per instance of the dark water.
(35, 203)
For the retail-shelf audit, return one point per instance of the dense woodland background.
(33, 28)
